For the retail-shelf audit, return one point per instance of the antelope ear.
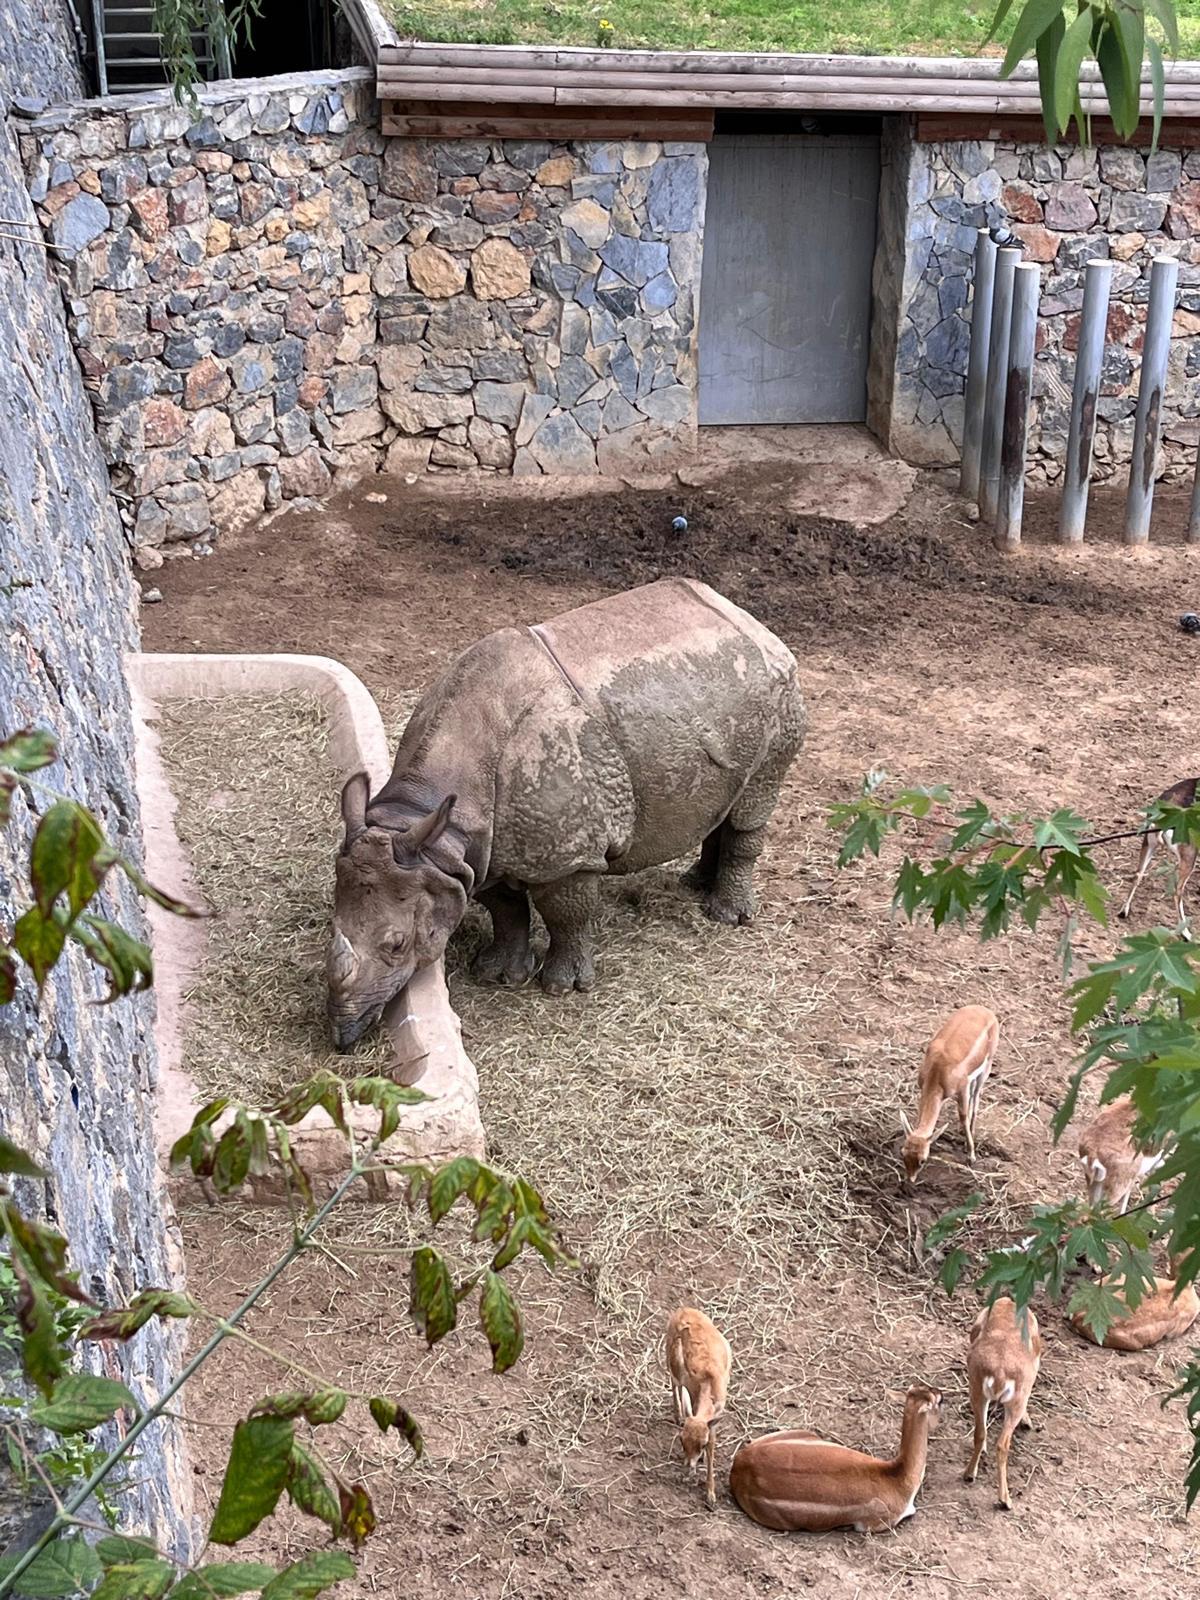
(904, 1122)
(355, 794)
(426, 830)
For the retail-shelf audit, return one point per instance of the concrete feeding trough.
(425, 1033)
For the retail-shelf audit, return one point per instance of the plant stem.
(86, 1490)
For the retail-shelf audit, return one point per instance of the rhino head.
(393, 911)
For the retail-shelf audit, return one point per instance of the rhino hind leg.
(731, 898)
(702, 874)
(509, 959)
(568, 909)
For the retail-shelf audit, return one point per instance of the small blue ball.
(680, 524)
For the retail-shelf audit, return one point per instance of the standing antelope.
(1182, 793)
(698, 1362)
(1002, 1366)
(800, 1483)
(1112, 1163)
(956, 1064)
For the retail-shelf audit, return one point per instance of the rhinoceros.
(615, 737)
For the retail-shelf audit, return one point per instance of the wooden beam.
(423, 119)
(935, 128)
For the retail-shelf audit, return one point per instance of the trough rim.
(424, 1028)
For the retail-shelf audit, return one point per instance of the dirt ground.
(1050, 677)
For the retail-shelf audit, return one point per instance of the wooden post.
(1084, 395)
(1193, 527)
(1148, 425)
(997, 373)
(1018, 388)
(977, 363)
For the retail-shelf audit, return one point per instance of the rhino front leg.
(509, 958)
(568, 909)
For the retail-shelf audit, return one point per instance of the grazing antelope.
(1112, 1163)
(1182, 793)
(698, 1362)
(956, 1064)
(1165, 1314)
(798, 1482)
(1002, 1365)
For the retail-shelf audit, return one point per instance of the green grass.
(848, 27)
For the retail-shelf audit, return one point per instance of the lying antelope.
(956, 1065)
(1112, 1163)
(1182, 793)
(698, 1362)
(800, 1483)
(1165, 1314)
(1002, 1365)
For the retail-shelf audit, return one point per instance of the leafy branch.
(1136, 1015)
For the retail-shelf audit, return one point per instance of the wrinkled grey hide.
(613, 738)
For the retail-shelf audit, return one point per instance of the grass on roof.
(853, 27)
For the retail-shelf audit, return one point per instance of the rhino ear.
(425, 831)
(355, 794)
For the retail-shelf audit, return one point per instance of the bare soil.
(1046, 678)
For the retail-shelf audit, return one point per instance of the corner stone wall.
(78, 1077)
(271, 294)
(1067, 207)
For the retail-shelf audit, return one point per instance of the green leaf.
(1033, 21)
(358, 1514)
(1002, 11)
(308, 1490)
(952, 1268)
(69, 854)
(29, 750)
(1048, 46)
(1131, 36)
(8, 967)
(308, 1577)
(449, 1182)
(223, 1578)
(1097, 1306)
(231, 1160)
(178, 908)
(63, 1568)
(42, 1357)
(324, 1089)
(45, 1249)
(1122, 94)
(13, 1159)
(254, 1479)
(122, 1322)
(314, 1405)
(432, 1301)
(1062, 831)
(81, 1402)
(126, 960)
(120, 1548)
(136, 1580)
(1164, 13)
(1066, 72)
(387, 1097)
(948, 1224)
(39, 941)
(501, 1320)
(391, 1414)
(1158, 83)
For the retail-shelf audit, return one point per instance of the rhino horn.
(355, 794)
(425, 830)
(343, 960)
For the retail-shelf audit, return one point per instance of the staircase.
(129, 49)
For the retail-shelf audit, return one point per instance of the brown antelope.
(956, 1066)
(698, 1362)
(1182, 793)
(1112, 1163)
(1002, 1365)
(798, 1482)
(1165, 1314)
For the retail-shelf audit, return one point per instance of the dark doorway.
(288, 36)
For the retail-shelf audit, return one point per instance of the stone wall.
(1067, 206)
(39, 52)
(272, 294)
(78, 1078)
